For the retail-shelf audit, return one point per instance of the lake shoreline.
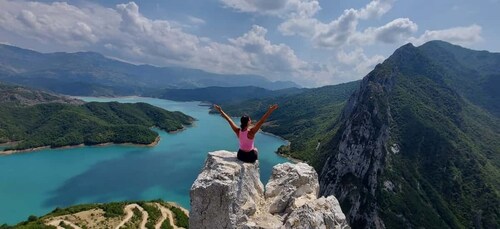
(66, 177)
(10, 152)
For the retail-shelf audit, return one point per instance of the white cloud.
(393, 32)
(124, 33)
(375, 8)
(254, 6)
(196, 20)
(275, 58)
(337, 32)
(458, 35)
(358, 60)
(343, 30)
(342, 33)
(281, 8)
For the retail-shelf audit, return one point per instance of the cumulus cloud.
(278, 58)
(358, 60)
(124, 33)
(395, 31)
(342, 33)
(337, 32)
(375, 9)
(343, 30)
(25, 18)
(257, 5)
(281, 8)
(458, 35)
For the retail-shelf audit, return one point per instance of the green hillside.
(303, 119)
(109, 215)
(222, 94)
(426, 152)
(34, 118)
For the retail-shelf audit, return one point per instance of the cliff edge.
(229, 194)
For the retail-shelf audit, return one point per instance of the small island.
(34, 120)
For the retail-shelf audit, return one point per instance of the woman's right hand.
(273, 107)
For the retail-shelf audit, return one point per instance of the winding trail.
(165, 213)
(130, 213)
(58, 221)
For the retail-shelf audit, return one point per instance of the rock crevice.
(229, 194)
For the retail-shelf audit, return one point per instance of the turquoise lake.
(37, 182)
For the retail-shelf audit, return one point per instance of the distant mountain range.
(90, 73)
(416, 145)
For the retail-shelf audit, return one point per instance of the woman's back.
(246, 143)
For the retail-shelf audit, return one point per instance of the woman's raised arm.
(257, 126)
(228, 119)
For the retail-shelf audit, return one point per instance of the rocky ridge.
(229, 194)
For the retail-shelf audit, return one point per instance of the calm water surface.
(35, 183)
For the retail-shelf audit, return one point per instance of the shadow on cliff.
(127, 178)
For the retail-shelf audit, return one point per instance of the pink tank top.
(246, 144)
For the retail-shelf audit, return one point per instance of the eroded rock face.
(225, 193)
(291, 186)
(357, 158)
(228, 194)
(313, 215)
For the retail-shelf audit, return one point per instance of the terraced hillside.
(156, 214)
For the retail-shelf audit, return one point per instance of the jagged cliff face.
(352, 174)
(228, 194)
(410, 150)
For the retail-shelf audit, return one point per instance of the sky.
(310, 42)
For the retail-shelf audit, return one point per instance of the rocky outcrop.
(225, 193)
(357, 153)
(229, 194)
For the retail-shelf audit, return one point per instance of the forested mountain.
(33, 118)
(475, 75)
(304, 119)
(416, 145)
(89, 73)
(414, 148)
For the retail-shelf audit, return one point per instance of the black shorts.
(249, 157)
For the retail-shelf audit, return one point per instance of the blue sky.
(310, 42)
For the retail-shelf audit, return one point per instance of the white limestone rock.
(322, 213)
(225, 193)
(290, 186)
(228, 194)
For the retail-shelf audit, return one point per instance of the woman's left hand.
(217, 107)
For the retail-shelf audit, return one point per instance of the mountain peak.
(413, 144)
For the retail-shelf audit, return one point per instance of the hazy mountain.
(416, 145)
(17, 95)
(89, 73)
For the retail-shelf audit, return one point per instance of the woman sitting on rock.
(246, 134)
